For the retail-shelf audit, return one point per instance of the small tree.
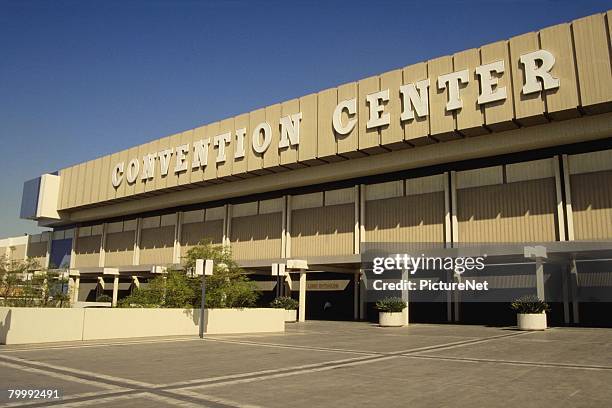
(23, 285)
(227, 287)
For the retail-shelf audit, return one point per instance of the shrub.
(228, 287)
(529, 304)
(24, 284)
(284, 302)
(391, 305)
(104, 298)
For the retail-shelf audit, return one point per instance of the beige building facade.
(507, 143)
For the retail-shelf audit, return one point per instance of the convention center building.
(510, 142)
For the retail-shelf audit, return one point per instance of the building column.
(288, 283)
(453, 197)
(559, 196)
(363, 290)
(405, 297)
(284, 229)
(573, 269)
(227, 224)
(564, 288)
(540, 279)
(137, 234)
(70, 289)
(75, 237)
(448, 232)
(102, 260)
(115, 290)
(457, 299)
(77, 285)
(102, 285)
(356, 296)
(74, 295)
(302, 307)
(356, 230)
(453, 231)
(288, 230)
(568, 199)
(176, 254)
(362, 214)
(115, 273)
(49, 236)
(449, 299)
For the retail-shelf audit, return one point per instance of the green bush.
(228, 287)
(391, 305)
(529, 304)
(24, 284)
(285, 302)
(104, 298)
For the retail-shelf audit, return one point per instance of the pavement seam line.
(101, 377)
(86, 345)
(514, 362)
(365, 360)
(61, 376)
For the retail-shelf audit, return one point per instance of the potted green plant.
(290, 305)
(391, 312)
(531, 312)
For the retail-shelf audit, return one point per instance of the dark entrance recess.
(323, 303)
(265, 296)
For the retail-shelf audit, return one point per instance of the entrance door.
(329, 296)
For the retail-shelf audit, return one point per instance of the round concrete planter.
(290, 315)
(531, 321)
(391, 319)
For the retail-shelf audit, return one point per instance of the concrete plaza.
(324, 364)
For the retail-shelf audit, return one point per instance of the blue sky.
(81, 79)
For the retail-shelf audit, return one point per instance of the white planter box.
(531, 321)
(290, 315)
(388, 319)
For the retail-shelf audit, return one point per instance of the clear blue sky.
(82, 79)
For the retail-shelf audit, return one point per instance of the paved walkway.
(324, 364)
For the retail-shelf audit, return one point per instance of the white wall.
(41, 325)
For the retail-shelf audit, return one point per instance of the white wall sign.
(415, 102)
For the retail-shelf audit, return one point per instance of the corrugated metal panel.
(590, 162)
(341, 196)
(190, 217)
(87, 252)
(257, 236)
(416, 218)
(427, 184)
(119, 248)
(592, 205)
(244, 209)
(384, 190)
(323, 231)
(157, 245)
(515, 212)
(480, 177)
(37, 249)
(531, 170)
(193, 233)
(215, 213)
(303, 201)
(271, 206)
